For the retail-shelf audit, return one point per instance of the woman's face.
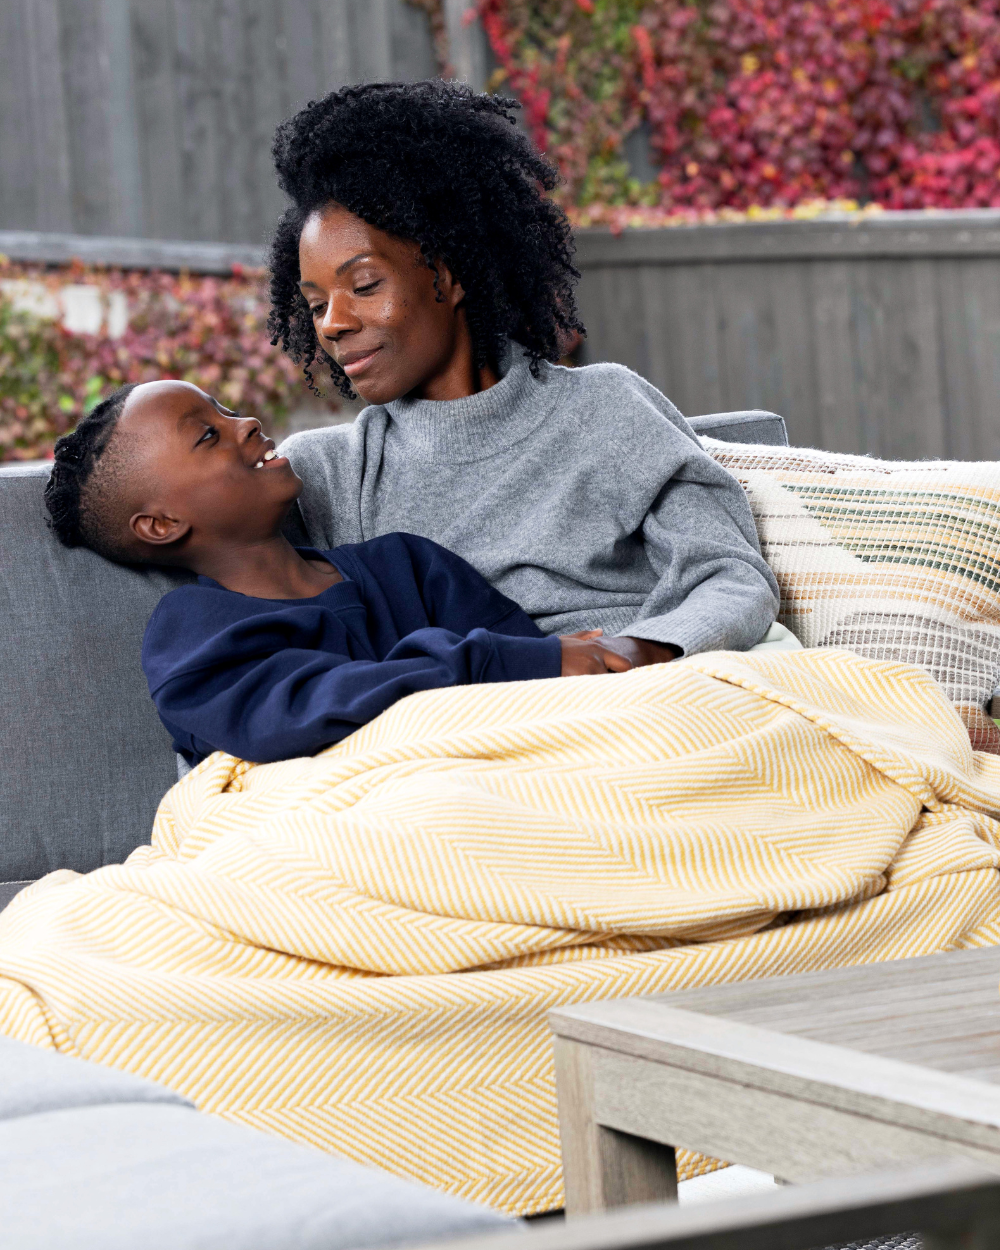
(377, 312)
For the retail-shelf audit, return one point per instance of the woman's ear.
(158, 531)
(451, 289)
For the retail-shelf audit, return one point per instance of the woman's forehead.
(333, 238)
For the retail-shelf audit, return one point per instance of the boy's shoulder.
(386, 552)
(186, 605)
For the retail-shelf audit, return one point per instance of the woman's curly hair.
(436, 163)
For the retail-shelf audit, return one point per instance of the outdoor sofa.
(86, 762)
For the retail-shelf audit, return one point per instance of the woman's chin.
(374, 392)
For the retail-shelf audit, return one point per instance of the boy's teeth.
(259, 464)
(269, 455)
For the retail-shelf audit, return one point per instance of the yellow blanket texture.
(358, 950)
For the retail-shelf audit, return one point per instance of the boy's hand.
(583, 655)
(640, 651)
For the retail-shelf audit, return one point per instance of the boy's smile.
(202, 472)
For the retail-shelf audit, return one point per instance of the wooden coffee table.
(824, 1074)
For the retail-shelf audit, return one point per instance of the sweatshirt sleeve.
(250, 691)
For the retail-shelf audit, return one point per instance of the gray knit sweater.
(583, 495)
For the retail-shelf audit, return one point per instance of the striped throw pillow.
(893, 560)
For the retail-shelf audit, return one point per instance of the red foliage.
(206, 330)
(763, 102)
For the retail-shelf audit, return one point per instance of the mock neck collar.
(482, 425)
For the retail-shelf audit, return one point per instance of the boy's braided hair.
(436, 163)
(81, 514)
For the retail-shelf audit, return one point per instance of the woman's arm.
(715, 590)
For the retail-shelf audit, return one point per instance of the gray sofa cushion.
(85, 758)
(34, 1081)
(755, 425)
(158, 1177)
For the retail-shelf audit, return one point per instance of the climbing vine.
(759, 102)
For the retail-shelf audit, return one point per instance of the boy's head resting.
(161, 473)
(415, 206)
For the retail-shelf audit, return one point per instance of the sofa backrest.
(84, 760)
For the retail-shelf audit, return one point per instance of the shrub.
(206, 330)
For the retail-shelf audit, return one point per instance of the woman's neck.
(270, 569)
(459, 375)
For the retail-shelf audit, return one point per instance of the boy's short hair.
(84, 495)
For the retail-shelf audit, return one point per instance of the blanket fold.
(357, 950)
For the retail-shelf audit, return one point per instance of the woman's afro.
(436, 163)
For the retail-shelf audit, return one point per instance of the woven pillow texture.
(894, 560)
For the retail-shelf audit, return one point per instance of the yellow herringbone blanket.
(358, 950)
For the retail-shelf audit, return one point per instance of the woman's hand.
(583, 655)
(640, 651)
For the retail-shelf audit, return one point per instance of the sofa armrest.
(755, 425)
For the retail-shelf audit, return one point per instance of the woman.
(422, 264)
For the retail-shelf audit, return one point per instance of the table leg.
(602, 1167)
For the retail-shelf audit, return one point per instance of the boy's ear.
(158, 531)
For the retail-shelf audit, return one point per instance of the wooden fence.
(154, 118)
(879, 336)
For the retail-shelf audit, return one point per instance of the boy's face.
(203, 475)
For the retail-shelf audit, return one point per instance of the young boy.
(276, 651)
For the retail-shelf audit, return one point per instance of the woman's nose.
(339, 318)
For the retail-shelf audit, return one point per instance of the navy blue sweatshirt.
(269, 679)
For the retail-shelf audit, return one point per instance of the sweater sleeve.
(253, 693)
(715, 590)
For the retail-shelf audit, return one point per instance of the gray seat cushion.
(755, 425)
(33, 1081)
(85, 758)
(147, 1175)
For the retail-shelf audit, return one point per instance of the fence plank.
(86, 86)
(17, 185)
(126, 211)
(154, 52)
(681, 353)
(837, 417)
(44, 124)
(969, 300)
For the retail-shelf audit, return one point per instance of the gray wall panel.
(155, 118)
(880, 336)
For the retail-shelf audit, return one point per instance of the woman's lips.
(358, 364)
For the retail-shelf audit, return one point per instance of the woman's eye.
(210, 432)
(317, 310)
(370, 286)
